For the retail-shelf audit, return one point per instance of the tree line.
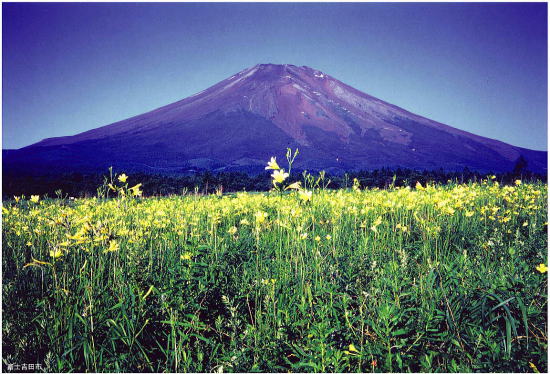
(86, 185)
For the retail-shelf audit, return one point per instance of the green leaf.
(400, 332)
(508, 338)
(524, 317)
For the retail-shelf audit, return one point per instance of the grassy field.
(426, 279)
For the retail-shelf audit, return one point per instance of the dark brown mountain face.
(240, 122)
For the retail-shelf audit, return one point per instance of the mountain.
(245, 119)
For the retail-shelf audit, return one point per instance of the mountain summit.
(241, 121)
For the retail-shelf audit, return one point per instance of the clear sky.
(68, 68)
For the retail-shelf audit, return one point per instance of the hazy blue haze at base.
(72, 67)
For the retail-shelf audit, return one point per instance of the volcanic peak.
(268, 107)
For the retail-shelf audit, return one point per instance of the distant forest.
(86, 185)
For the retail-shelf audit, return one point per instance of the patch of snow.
(252, 71)
(198, 93)
(377, 108)
(294, 69)
(248, 74)
(297, 86)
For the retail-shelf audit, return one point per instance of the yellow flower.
(272, 164)
(56, 253)
(186, 256)
(328, 237)
(419, 186)
(16, 198)
(305, 195)
(268, 281)
(232, 230)
(517, 182)
(525, 223)
(294, 186)
(375, 224)
(35, 198)
(469, 213)
(29, 244)
(317, 238)
(534, 367)
(402, 227)
(303, 236)
(352, 348)
(135, 190)
(542, 268)
(122, 178)
(449, 210)
(113, 247)
(279, 176)
(260, 217)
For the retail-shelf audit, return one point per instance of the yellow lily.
(272, 164)
(542, 268)
(279, 176)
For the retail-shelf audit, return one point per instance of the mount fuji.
(239, 123)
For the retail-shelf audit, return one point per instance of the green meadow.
(436, 278)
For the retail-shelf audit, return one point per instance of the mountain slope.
(240, 122)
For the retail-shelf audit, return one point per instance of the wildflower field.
(448, 278)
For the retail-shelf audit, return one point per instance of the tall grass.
(437, 278)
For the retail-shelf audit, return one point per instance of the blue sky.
(68, 68)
